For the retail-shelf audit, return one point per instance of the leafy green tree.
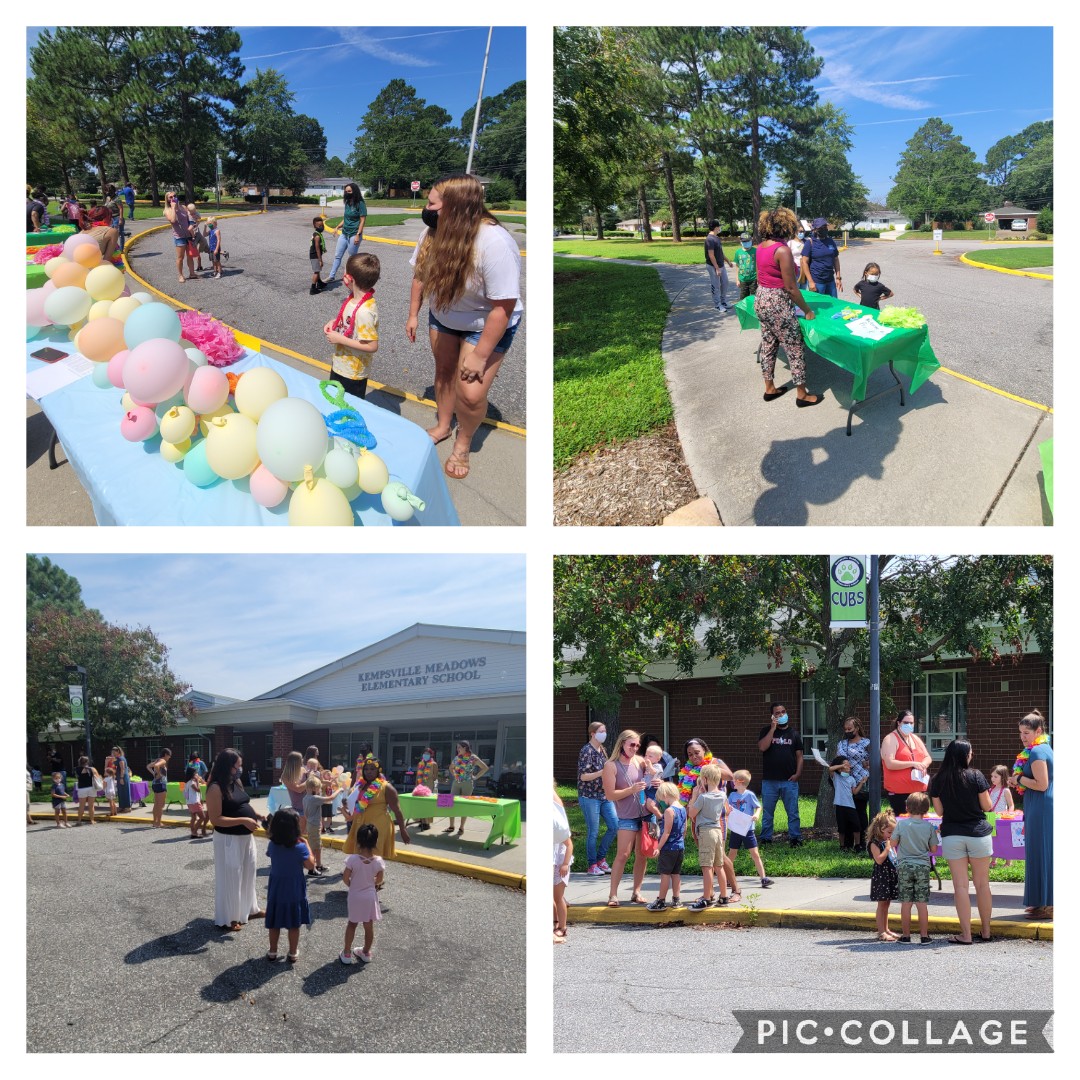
(1031, 183)
(1006, 154)
(335, 166)
(938, 177)
(47, 585)
(54, 145)
(265, 133)
(310, 137)
(500, 137)
(614, 615)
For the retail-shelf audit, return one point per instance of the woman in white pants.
(234, 822)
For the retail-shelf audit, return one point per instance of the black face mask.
(430, 218)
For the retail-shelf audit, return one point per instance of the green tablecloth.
(1046, 455)
(505, 814)
(174, 793)
(57, 235)
(909, 350)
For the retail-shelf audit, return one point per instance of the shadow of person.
(187, 941)
(241, 979)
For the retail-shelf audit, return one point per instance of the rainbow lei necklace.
(1025, 754)
(461, 767)
(688, 778)
(363, 800)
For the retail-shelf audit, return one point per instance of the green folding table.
(1046, 456)
(908, 350)
(56, 235)
(505, 814)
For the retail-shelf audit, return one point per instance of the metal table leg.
(887, 390)
(54, 442)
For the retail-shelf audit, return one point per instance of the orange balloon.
(88, 255)
(101, 339)
(71, 273)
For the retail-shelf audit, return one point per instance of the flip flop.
(455, 462)
(954, 940)
(235, 927)
(613, 902)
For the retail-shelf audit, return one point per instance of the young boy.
(746, 266)
(213, 244)
(314, 800)
(316, 251)
(672, 846)
(707, 811)
(747, 802)
(59, 801)
(355, 331)
(913, 840)
(845, 789)
(653, 772)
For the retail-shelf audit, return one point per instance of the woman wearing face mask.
(856, 748)
(821, 260)
(352, 228)
(469, 268)
(234, 821)
(427, 773)
(796, 243)
(594, 805)
(902, 752)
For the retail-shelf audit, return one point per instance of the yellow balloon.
(221, 410)
(123, 307)
(53, 264)
(230, 446)
(177, 424)
(104, 282)
(318, 502)
(372, 473)
(126, 402)
(174, 452)
(258, 389)
(98, 310)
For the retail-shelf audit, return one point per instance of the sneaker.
(766, 882)
(313, 873)
(595, 871)
(656, 905)
(765, 839)
(604, 866)
(796, 841)
(313, 290)
(363, 957)
(701, 903)
(346, 958)
(322, 869)
(676, 902)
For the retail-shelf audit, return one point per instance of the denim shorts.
(473, 336)
(179, 241)
(629, 824)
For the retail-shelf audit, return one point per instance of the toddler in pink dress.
(363, 873)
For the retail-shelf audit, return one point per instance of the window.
(812, 724)
(345, 747)
(153, 749)
(514, 749)
(939, 702)
(194, 744)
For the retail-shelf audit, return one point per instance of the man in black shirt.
(780, 744)
(714, 263)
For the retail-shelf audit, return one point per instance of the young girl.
(194, 800)
(884, 882)
(1001, 798)
(286, 898)
(59, 801)
(870, 290)
(563, 858)
(110, 785)
(363, 875)
(213, 244)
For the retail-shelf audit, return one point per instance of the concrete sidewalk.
(797, 902)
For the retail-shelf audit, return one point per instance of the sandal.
(886, 935)
(274, 958)
(257, 915)
(612, 902)
(560, 932)
(637, 898)
(954, 940)
(236, 927)
(457, 465)
(293, 957)
(735, 897)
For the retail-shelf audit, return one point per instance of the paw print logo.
(847, 571)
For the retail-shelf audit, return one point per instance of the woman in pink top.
(624, 780)
(776, 293)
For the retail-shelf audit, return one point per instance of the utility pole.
(479, 98)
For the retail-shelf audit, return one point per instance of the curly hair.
(447, 256)
(778, 224)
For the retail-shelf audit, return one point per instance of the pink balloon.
(47, 288)
(77, 240)
(155, 370)
(208, 389)
(266, 489)
(139, 424)
(115, 369)
(35, 309)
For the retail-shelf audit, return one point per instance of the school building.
(960, 698)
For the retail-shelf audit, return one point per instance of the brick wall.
(283, 743)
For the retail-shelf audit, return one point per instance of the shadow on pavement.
(234, 982)
(188, 941)
(330, 976)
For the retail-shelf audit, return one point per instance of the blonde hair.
(742, 774)
(659, 750)
(447, 256)
(313, 784)
(294, 766)
(669, 792)
(711, 774)
(883, 821)
(616, 750)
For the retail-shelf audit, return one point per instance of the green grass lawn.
(609, 373)
(816, 858)
(947, 234)
(1015, 258)
(686, 253)
(376, 221)
(419, 202)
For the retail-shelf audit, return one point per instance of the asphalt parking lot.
(123, 956)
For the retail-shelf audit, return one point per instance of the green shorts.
(914, 883)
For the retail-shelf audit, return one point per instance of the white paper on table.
(818, 756)
(1017, 834)
(920, 777)
(56, 376)
(868, 327)
(739, 823)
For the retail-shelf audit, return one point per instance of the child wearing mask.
(870, 290)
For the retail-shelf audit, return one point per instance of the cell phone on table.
(50, 356)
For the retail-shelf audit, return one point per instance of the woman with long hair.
(855, 747)
(294, 777)
(1033, 777)
(465, 769)
(234, 821)
(624, 780)
(469, 269)
(961, 795)
(159, 785)
(352, 228)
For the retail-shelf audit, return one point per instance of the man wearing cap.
(821, 260)
(714, 263)
(746, 261)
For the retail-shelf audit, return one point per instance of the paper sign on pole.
(847, 591)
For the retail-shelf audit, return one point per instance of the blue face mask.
(427, 757)
(907, 729)
(781, 720)
(746, 243)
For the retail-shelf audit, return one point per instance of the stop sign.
(415, 185)
(988, 217)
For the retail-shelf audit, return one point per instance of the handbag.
(650, 845)
(99, 784)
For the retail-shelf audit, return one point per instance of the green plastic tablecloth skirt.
(909, 350)
(56, 235)
(505, 814)
(1046, 455)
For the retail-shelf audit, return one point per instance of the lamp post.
(77, 697)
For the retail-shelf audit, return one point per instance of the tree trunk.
(643, 210)
(710, 210)
(99, 154)
(669, 182)
(599, 221)
(151, 176)
(189, 172)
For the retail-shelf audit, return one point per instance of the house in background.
(1012, 220)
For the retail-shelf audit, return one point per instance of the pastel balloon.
(98, 310)
(196, 356)
(142, 297)
(266, 489)
(78, 240)
(372, 472)
(88, 255)
(126, 401)
(257, 390)
(174, 452)
(35, 308)
(47, 288)
(115, 368)
(70, 273)
(152, 321)
(399, 502)
(100, 376)
(138, 424)
(292, 435)
(197, 468)
(204, 420)
(155, 369)
(68, 306)
(230, 446)
(185, 344)
(105, 282)
(123, 307)
(340, 467)
(319, 502)
(53, 264)
(177, 424)
(208, 389)
(102, 339)
(162, 407)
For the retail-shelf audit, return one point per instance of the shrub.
(1045, 223)
(499, 206)
(1038, 236)
(499, 190)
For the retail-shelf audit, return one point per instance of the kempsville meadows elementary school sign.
(451, 671)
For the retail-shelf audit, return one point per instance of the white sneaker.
(363, 957)
(347, 958)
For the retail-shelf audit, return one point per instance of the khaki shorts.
(914, 883)
(711, 847)
(967, 847)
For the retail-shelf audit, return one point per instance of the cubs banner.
(75, 696)
(848, 591)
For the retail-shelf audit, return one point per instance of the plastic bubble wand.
(345, 422)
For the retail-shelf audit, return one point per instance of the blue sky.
(986, 82)
(240, 625)
(336, 72)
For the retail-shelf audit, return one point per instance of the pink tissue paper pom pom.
(213, 338)
(421, 789)
(46, 253)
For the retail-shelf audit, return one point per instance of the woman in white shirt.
(469, 268)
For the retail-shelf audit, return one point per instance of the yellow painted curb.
(1006, 269)
(995, 390)
(258, 344)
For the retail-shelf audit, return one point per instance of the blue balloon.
(151, 321)
(197, 468)
(100, 376)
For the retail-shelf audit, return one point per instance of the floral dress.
(884, 881)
